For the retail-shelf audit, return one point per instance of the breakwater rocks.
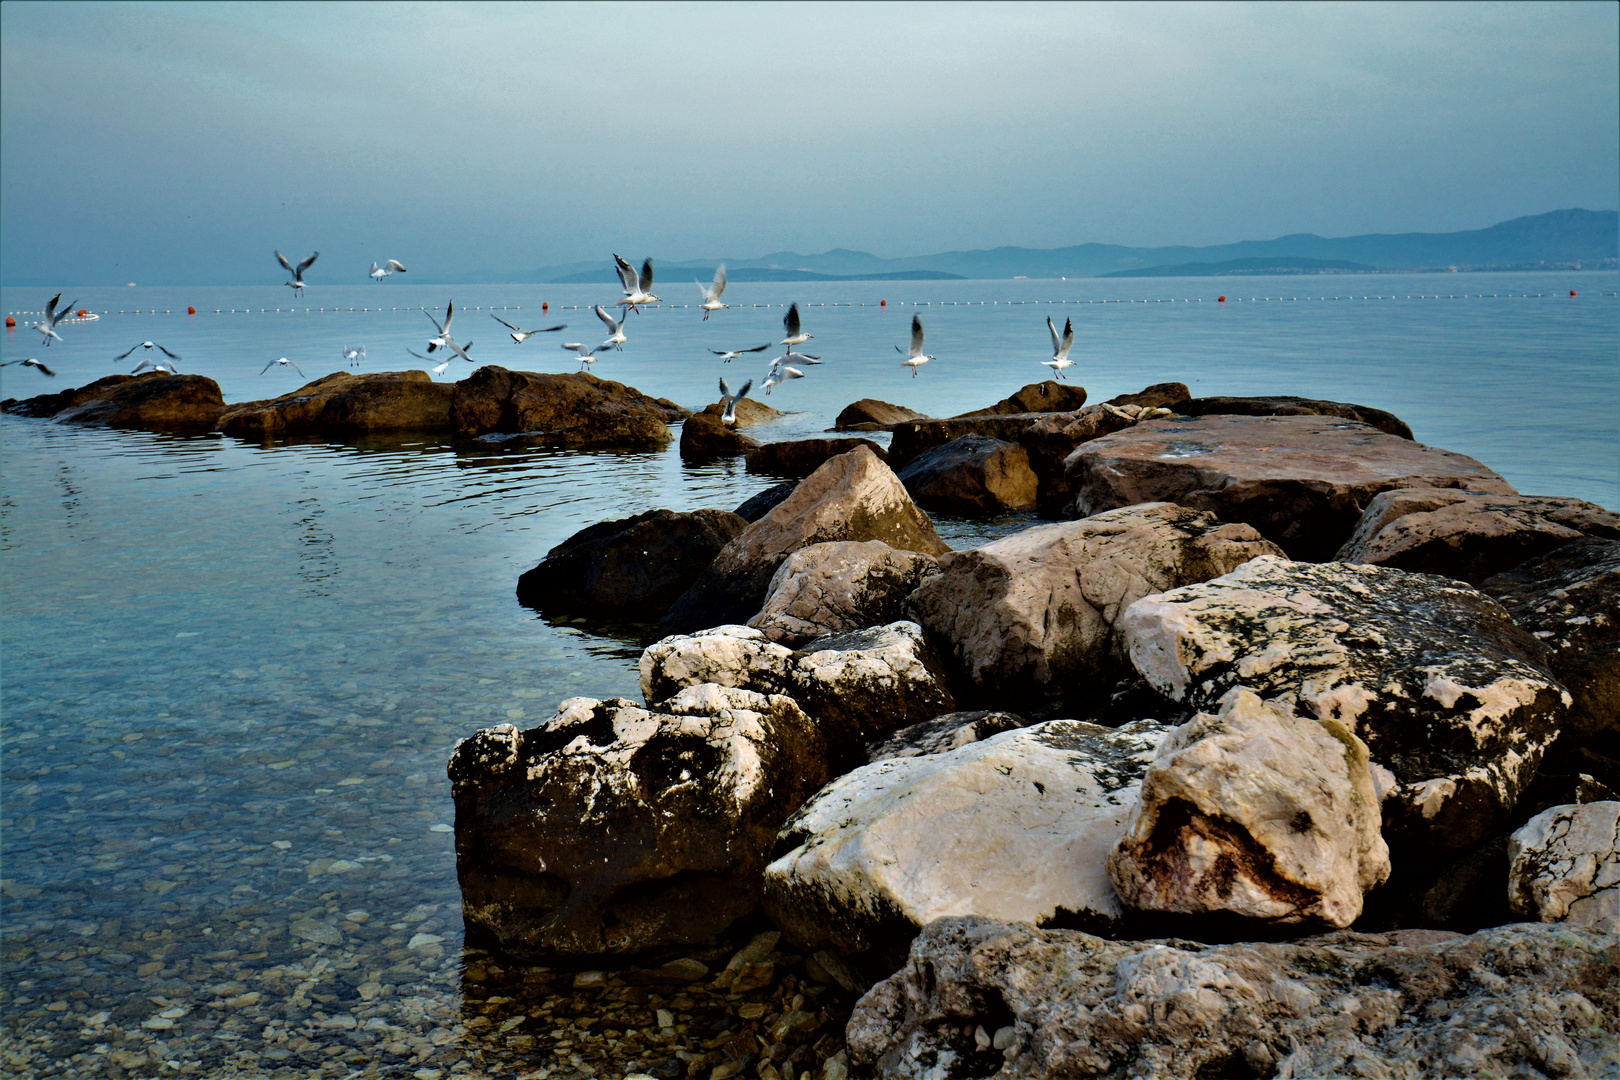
(155, 401)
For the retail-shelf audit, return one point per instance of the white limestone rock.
(840, 586)
(1565, 866)
(944, 733)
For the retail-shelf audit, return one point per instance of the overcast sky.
(181, 142)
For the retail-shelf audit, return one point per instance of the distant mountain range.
(1558, 240)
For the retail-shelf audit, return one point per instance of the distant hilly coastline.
(1242, 267)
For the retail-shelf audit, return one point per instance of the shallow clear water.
(230, 674)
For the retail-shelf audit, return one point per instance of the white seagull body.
(43, 370)
(616, 336)
(438, 369)
(728, 355)
(53, 315)
(728, 401)
(283, 362)
(520, 336)
(586, 353)
(156, 365)
(297, 282)
(780, 375)
(711, 294)
(790, 323)
(443, 329)
(392, 266)
(354, 353)
(1060, 346)
(148, 345)
(637, 290)
(916, 358)
(791, 357)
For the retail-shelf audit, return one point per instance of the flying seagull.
(728, 355)
(156, 365)
(444, 330)
(519, 335)
(438, 369)
(711, 295)
(616, 336)
(728, 401)
(916, 358)
(790, 323)
(392, 266)
(149, 345)
(284, 362)
(53, 315)
(637, 291)
(43, 370)
(354, 354)
(780, 375)
(791, 357)
(587, 353)
(1060, 346)
(297, 281)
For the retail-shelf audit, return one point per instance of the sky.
(181, 143)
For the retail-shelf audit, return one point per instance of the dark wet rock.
(749, 412)
(1032, 615)
(978, 997)
(1158, 396)
(614, 830)
(345, 403)
(1451, 698)
(1015, 827)
(870, 414)
(836, 587)
(704, 438)
(971, 475)
(575, 410)
(1565, 866)
(914, 437)
(1469, 535)
(1301, 480)
(631, 569)
(853, 496)
(759, 505)
(1041, 397)
(1284, 405)
(153, 401)
(944, 733)
(801, 457)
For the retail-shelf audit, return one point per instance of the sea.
(231, 673)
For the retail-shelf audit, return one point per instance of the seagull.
(284, 362)
(711, 295)
(156, 365)
(916, 358)
(616, 336)
(587, 353)
(43, 370)
(146, 345)
(354, 354)
(780, 375)
(297, 281)
(444, 330)
(791, 357)
(392, 266)
(790, 322)
(731, 354)
(519, 335)
(1060, 346)
(437, 370)
(53, 315)
(728, 401)
(637, 291)
(459, 351)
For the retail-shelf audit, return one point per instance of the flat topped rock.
(1301, 480)
(346, 402)
(575, 409)
(155, 400)
(870, 414)
(749, 412)
(1041, 397)
(1287, 405)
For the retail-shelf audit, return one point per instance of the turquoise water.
(230, 674)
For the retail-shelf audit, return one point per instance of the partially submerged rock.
(979, 998)
(1565, 866)
(575, 410)
(613, 829)
(836, 587)
(1015, 827)
(704, 438)
(346, 403)
(1470, 535)
(971, 475)
(1033, 615)
(749, 412)
(801, 457)
(1300, 480)
(1285, 405)
(870, 414)
(1257, 812)
(943, 734)
(1448, 695)
(153, 401)
(631, 569)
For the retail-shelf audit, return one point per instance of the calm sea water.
(230, 674)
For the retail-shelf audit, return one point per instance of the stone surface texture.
(1053, 437)
(1255, 811)
(1301, 480)
(1033, 615)
(1016, 827)
(853, 496)
(971, 474)
(704, 437)
(801, 457)
(944, 733)
(1283, 405)
(1470, 535)
(572, 409)
(1565, 866)
(631, 569)
(913, 437)
(153, 401)
(347, 403)
(1041, 397)
(870, 414)
(757, 506)
(1448, 695)
(614, 829)
(835, 587)
(978, 998)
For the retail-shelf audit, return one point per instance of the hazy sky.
(182, 142)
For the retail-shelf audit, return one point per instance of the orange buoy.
(545, 305)
(883, 303)
(11, 324)
(83, 312)
(1222, 300)
(190, 310)
(1572, 292)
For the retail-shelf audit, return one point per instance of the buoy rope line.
(851, 304)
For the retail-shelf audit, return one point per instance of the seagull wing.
(373, 270)
(916, 335)
(42, 368)
(725, 391)
(1068, 341)
(132, 348)
(295, 367)
(307, 263)
(757, 348)
(413, 352)
(723, 352)
(792, 373)
(166, 352)
(1056, 342)
(719, 282)
(790, 321)
(607, 320)
(62, 313)
(50, 308)
(646, 275)
(394, 264)
(282, 259)
(434, 319)
(550, 329)
(503, 322)
(747, 386)
(449, 313)
(627, 274)
(262, 370)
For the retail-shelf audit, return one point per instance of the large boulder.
(971, 475)
(801, 457)
(914, 437)
(980, 998)
(853, 496)
(1469, 535)
(704, 438)
(1041, 397)
(153, 401)
(1565, 866)
(857, 687)
(632, 569)
(1450, 697)
(757, 506)
(749, 411)
(346, 403)
(1032, 616)
(1016, 827)
(614, 830)
(840, 586)
(870, 414)
(1284, 405)
(1301, 480)
(1052, 439)
(1257, 812)
(575, 410)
